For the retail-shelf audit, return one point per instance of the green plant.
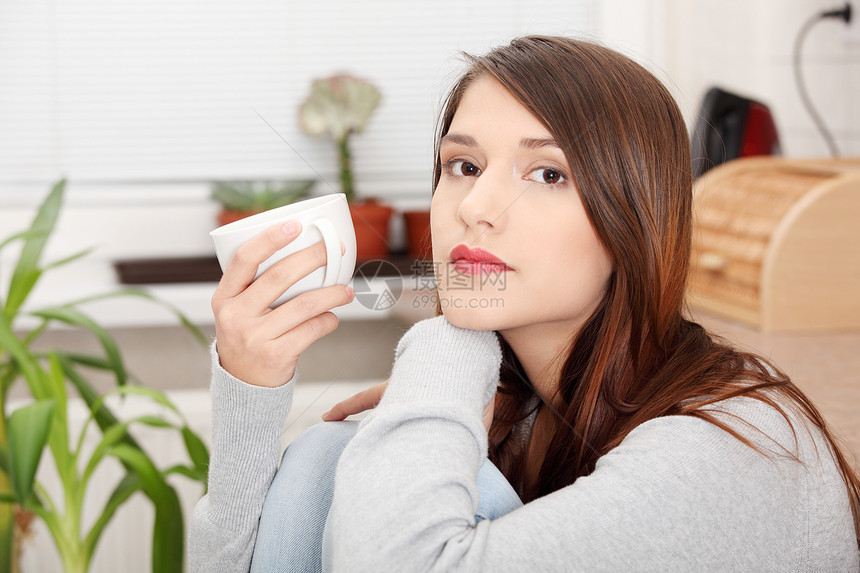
(43, 426)
(256, 196)
(339, 106)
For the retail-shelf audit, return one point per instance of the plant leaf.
(7, 531)
(28, 434)
(256, 196)
(113, 436)
(168, 533)
(18, 292)
(25, 362)
(98, 411)
(58, 438)
(104, 417)
(58, 388)
(35, 333)
(69, 259)
(23, 235)
(126, 487)
(193, 328)
(190, 473)
(8, 375)
(98, 362)
(197, 451)
(26, 273)
(74, 317)
(151, 393)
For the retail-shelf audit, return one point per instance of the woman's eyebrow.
(537, 143)
(466, 140)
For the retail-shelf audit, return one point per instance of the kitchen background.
(142, 105)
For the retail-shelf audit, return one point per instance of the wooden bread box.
(776, 243)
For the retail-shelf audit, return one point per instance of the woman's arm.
(247, 422)
(257, 351)
(406, 483)
(679, 493)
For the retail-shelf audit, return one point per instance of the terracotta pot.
(370, 219)
(226, 216)
(418, 234)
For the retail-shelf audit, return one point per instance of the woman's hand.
(368, 399)
(356, 404)
(259, 345)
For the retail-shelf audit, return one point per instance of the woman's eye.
(458, 167)
(546, 175)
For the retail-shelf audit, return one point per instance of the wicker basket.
(776, 243)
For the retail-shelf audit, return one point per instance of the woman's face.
(512, 245)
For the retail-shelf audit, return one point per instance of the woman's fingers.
(242, 268)
(364, 400)
(299, 310)
(262, 346)
(302, 336)
(275, 281)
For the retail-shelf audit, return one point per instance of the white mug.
(325, 219)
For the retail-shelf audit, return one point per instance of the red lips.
(475, 261)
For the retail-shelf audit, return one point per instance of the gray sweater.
(678, 494)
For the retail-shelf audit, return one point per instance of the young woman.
(627, 437)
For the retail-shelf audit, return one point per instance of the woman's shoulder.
(768, 425)
(777, 465)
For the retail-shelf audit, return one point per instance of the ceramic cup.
(323, 219)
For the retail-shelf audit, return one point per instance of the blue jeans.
(292, 531)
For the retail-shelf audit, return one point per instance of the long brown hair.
(636, 358)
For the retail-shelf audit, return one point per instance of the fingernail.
(350, 292)
(324, 416)
(290, 228)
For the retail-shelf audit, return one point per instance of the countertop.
(825, 365)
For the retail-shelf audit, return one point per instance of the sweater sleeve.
(678, 493)
(247, 422)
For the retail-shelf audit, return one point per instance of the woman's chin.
(473, 319)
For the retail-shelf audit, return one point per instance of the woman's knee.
(321, 444)
(297, 504)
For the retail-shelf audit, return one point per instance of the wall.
(746, 47)
(739, 45)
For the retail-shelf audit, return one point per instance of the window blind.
(128, 92)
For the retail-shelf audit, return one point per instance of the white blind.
(166, 91)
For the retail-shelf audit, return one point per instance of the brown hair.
(636, 358)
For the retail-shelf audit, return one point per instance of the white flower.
(338, 105)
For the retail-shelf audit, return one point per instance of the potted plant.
(239, 199)
(41, 427)
(340, 106)
(417, 224)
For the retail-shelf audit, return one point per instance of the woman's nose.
(485, 205)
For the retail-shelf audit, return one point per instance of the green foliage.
(256, 196)
(28, 434)
(42, 426)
